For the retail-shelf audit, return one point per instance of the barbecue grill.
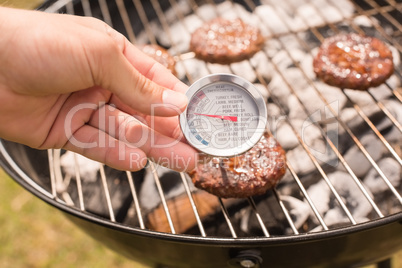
(157, 216)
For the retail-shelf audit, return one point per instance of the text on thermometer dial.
(225, 116)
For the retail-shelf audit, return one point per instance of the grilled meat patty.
(226, 41)
(252, 173)
(353, 61)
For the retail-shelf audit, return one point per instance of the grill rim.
(13, 169)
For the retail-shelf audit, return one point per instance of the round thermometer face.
(226, 115)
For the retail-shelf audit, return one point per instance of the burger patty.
(249, 174)
(161, 55)
(226, 41)
(353, 61)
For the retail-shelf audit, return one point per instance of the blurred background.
(34, 234)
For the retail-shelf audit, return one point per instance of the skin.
(75, 83)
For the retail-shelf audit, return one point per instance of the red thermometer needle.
(225, 117)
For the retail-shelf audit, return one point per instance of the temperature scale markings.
(198, 137)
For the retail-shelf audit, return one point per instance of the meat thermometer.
(226, 115)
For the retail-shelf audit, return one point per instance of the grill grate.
(137, 20)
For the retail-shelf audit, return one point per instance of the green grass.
(26, 4)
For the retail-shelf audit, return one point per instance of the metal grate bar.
(52, 174)
(223, 206)
(347, 129)
(190, 54)
(162, 196)
(357, 108)
(105, 12)
(296, 177)
(56, 6)
(135, 199)
(253, 205)
(61, 183)
(358, 29)
(144, 20)
(306, 196)
(285, 211)
(79, 185)
(384, 12)
(126, 20)
(310, 154)
(265, 231)
(340, 157)
(378, 27)
(193, 206)
(386, 36)
(387, 112)
(162, 19)
(180, 57)
(377, 132)
(227, 218)
(379, 104)
(259, 219)
(166, 28)
(57, 172)
(283, 207)
(70, 8)
(327, 139)
(395, 4)
(374, 164)
(315, 162)
(107, 194)
(87, 8)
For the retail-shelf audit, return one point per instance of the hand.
(75, 83)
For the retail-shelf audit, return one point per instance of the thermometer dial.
(226, 115)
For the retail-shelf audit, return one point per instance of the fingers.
(135, 78)
(89, 141)
(157, 73)
(168, 126)
(143, 63)
(99, 146)
(141, 91)
(161, 149)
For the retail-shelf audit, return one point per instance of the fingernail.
(174, 98)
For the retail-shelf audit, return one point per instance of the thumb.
(139, 81)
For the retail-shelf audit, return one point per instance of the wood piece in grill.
(181, 212)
